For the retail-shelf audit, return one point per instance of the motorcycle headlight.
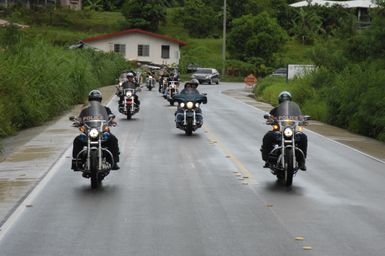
(181, 105)
(288, 132)
(190, 105)
(93, 133)
(129, 94)
(197, 105)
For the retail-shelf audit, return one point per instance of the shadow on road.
(277, 187)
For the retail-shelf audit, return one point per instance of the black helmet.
(284, 96)
(95, 95)
(192, 83)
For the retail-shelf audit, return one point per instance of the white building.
(139, 45)
(362, 7)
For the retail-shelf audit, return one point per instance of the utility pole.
(224, 40)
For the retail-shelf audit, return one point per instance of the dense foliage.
(256, 38)
(39, 81)
(145, 14)
(348, 88)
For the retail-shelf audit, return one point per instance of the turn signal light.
(82, 128)
(275, 127)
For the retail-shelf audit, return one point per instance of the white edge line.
(320, 135)
(14, 216)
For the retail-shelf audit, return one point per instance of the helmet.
(95, 95)
(284, 96)
(130, 74)
(192, 83)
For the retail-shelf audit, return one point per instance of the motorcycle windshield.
(190, 95)
(128, 85)
(288, 110)
(94, 115)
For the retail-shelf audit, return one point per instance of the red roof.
(130, 31)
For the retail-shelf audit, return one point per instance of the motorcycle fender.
(189, 114)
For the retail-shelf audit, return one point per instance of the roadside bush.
(39, 81)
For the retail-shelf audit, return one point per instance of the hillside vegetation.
(347, 88)
(39, 80)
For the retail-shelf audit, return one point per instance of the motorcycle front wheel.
(189, 127)
(288, 175)
(95, 181)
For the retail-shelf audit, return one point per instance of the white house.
(362, 6)
(139, 45)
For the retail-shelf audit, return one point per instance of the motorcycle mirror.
(72, 118)
(266, 116)
(205, 94)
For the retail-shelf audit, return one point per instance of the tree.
(95, 5)
(256, 38)
(198, 18)
(307, 26)
(145, 14)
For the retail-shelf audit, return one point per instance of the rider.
(190, 87)
(130, 84)
(111, 143)
(270, 137)
(171, 78)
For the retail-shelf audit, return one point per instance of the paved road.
(178, 195)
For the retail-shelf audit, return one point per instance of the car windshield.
(204, 71)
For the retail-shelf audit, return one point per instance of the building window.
(143, 50)
(165, 51)
(121, 48)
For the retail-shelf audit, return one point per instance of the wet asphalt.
(201, 195)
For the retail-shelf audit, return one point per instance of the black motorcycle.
(95, 161)
(188, 116)
(287, 125)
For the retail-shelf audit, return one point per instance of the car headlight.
(181, 105)
(129, 94)
(288, 132)
(190, 105)
(93, 133)
(197, 105)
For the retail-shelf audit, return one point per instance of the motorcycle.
(150, 83)
(283, 158)
(95, 161)
(189, 115)
(128, 106)
(171, 90)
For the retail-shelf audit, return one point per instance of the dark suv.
(206, 75)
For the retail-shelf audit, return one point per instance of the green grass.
(295, 53)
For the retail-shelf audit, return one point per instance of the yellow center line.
(230, 155)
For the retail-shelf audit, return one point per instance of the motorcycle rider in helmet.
(130, 84)
(270, 139)
(190, 87)
(111, 144)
